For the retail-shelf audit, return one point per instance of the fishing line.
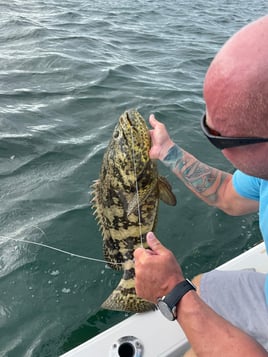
(57, 249)
(137, 188)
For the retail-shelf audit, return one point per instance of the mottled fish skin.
(116, 204)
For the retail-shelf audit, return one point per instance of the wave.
(14, 253)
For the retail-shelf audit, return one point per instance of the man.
(231, 317)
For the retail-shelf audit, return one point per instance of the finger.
(154, 243)
(150, 252)
(153, 121)
(138, 252)
(151, 132)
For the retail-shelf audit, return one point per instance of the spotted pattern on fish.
(125, 218)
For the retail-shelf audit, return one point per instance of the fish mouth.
(133, 126)
(131, 119)
(128, 119)
(127, 124)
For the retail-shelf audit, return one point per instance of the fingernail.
(150, 236)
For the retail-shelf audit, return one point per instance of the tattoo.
(199, 177)
(174, 158)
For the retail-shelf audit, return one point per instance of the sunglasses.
(225, 142)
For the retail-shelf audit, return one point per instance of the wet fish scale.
(126, 165)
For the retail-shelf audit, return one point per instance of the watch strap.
(178, 292)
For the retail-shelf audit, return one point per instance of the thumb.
(154, 243)
(153, 121)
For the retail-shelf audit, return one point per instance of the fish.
(125, 198)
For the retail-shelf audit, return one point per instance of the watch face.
(166, 311)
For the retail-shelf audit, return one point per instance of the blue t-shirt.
(255, 189)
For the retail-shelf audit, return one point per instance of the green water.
(68, 70)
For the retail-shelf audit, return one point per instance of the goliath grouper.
(126, 198)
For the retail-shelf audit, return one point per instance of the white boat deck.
(158, 336)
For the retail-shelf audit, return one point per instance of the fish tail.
(124, 298)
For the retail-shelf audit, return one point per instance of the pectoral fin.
(165, 191)
(138, 199)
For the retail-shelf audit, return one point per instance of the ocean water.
(69, 68)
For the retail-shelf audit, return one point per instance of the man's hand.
(156, 270)
(161, 141)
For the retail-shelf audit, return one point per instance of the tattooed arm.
(211, 185)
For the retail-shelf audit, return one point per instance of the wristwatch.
(168, 304)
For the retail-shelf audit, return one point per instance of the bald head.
(236, 83)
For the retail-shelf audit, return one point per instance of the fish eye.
(116, 134)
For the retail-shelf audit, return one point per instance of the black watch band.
(178, 292)
(168, 304)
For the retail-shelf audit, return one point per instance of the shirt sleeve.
(246, 186)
